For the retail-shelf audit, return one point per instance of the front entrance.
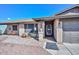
(49, 29)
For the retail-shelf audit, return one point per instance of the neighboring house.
(63, 27)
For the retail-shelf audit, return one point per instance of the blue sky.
(19, 11)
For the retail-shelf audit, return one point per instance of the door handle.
(49, 29)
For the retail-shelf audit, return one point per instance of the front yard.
(14, 45)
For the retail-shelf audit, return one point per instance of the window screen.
(15, 27)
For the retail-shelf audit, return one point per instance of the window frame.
(14, 27)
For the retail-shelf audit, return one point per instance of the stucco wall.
(21, 29)
(10, 29)
(41, 31)
(58, 30)
(55, 30)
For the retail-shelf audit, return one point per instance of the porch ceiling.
(44, 19)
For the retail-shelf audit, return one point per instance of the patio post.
(41, 31)
(21, 29)
(59, 31)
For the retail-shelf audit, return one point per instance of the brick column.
(58, 31)
(21, 29)
(41, 31)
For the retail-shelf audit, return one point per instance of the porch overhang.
(44, 19)
(55, 17)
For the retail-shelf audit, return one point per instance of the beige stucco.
(55, 32)
(21, 29)
(10, 29)
(58, 30)
(41, 30)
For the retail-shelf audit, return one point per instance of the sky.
(20, 11)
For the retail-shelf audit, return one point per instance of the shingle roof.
(61, 16)
(69, 8)
(18, 21)
(67, 16)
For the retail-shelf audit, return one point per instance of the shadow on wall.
(3, 29)
(51, 46)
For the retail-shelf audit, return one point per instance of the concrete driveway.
(72, 48)
(61, 49)
(15, 45)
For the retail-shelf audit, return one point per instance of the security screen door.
(48, 29)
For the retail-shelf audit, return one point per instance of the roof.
(19, 21)
(67, 9)
(67, 16)
(44, 18)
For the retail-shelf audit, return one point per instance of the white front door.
(48, 29)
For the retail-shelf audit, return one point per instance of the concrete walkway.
(61, 49)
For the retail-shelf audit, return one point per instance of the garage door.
(71, 31)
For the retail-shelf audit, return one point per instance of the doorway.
(49, 29)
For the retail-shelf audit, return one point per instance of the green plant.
(0, 32)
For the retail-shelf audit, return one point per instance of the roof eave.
(67, 9)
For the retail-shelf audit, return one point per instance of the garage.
(70, 30)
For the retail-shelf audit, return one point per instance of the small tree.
(0, 32)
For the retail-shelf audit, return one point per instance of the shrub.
(23, 35)
(0, 32)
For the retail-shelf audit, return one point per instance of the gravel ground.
(14, 45)
(11, 49)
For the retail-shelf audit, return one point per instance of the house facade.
(63, 27)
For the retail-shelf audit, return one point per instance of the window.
(25, 26)
(30, 28)
(15, 27)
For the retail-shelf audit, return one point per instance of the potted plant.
(23, 35)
